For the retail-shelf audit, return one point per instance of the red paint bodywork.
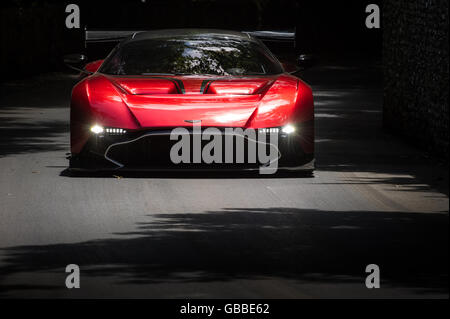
(144, 102)
(93, 66)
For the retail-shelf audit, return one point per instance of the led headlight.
(97, 129)
(115, 131)
(288, 129)
(268, 130)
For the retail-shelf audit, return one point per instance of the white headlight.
(97, 129)
(288, 129)
(268, 130)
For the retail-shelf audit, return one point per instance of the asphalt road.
(373, 200)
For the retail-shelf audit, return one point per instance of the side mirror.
(76, 61)
(305, 61)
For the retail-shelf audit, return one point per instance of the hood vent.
(172, 85)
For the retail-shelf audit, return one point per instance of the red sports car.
(125, 109)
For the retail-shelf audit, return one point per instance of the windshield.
(186, 56)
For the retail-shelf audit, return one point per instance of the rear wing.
(287, 36)
(104, 36)
(114, 36)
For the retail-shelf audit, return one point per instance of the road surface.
(373, 200)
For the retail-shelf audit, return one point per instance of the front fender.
(288, 101)
(95, 100)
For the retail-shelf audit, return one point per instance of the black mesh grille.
(154, 150)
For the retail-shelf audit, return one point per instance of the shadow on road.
(350, 136)
(309, 245)
(32, 116)
(18, 137)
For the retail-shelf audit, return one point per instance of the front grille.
(151, 150)
(154, 150)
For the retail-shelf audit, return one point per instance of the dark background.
(34, 36)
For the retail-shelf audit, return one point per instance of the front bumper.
(149, 150)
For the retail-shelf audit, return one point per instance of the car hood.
(160, 101)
